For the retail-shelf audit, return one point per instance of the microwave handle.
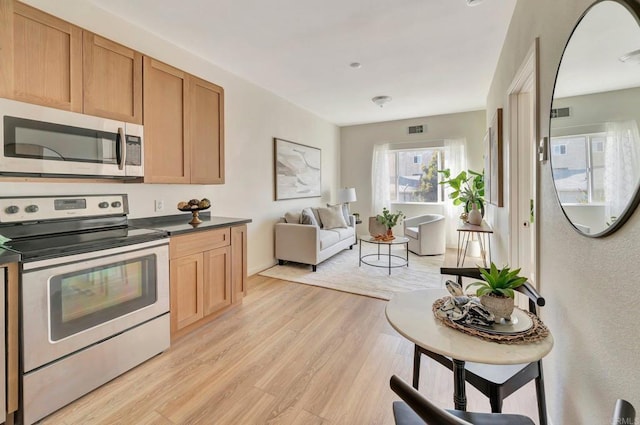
(123, 149)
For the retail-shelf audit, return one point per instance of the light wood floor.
(291, 354)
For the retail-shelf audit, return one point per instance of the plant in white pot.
(496, 291)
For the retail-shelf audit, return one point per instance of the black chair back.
(624, 413)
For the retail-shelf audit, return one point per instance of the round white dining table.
(410, 313)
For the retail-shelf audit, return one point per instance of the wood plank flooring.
(291, 354)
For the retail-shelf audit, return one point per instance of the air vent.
(560, 112)
(416, 129)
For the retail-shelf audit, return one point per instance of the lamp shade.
(348, 194)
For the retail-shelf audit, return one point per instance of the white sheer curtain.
(380, 179)
(455, 159)
(621, 173)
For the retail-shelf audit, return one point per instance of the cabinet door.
(207, 132)
(217, 281)
(112, 79)
(239, 262)
(187, 278)
(41, 58)
(166, 112)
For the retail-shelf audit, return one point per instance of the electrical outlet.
(159, 205)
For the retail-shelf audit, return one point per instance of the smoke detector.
(474, 2)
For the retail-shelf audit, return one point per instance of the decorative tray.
(524, 328)
(520, 323)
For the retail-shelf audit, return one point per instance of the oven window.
(83, 299)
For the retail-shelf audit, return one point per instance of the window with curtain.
(413, 175)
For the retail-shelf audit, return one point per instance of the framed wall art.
(487, 165)
(495, 161)
(297, 170)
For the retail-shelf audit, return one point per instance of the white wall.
(589, 284)
(357, 144)
(253, 116)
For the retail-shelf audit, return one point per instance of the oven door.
(71, 302)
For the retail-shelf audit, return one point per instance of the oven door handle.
(121, 150)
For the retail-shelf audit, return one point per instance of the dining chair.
(623, 413)
(494, 381)
(416, 410)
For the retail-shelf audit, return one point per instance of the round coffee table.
(398, 240)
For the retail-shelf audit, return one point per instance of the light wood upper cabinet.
(207, 132)
(112, 79)
(184, 126)
(166, 114)
(40, 56)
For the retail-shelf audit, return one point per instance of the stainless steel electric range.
(94, 294)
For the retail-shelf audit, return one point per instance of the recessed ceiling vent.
(416, 129)
(560, 112)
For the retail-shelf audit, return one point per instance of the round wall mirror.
(594, 142)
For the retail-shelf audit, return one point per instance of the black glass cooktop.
(58, 245)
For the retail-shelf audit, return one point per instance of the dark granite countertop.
(179, 223)
(8, 256)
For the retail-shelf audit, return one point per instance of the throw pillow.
(307, 217)
(317, 216)
(292, 217)
(332, 217)
(345, 211)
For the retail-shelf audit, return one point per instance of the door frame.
(526, 79)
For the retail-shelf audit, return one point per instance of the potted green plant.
(468, 188)
(389, 219)
(496, 291)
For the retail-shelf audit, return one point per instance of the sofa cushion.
(412, 232)
(345, 211)
(328, 238)
(344, 233)
(316, 215)
(307, 217)
(332, 217)
(292, 217)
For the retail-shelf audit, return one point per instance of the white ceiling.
(431, 56)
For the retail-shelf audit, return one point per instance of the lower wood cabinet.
(207, 275)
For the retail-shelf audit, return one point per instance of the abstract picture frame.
(486, 143)
(495, 161)
(297, 170)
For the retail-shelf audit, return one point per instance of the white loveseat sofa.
(314, 242)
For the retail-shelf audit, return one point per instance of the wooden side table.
(465, 233)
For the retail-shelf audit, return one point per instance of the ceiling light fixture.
(631, 57)
(381, 100)
(474, 2)
(355, 65)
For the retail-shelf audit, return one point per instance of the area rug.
(341, 272)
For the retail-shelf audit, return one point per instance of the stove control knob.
(31, 208)
(12, 209)
(116, 204)
(103, 205)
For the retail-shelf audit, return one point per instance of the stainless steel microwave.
(41, 141)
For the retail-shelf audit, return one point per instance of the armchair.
(426, 233)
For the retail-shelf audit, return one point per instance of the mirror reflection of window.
(594, 143)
